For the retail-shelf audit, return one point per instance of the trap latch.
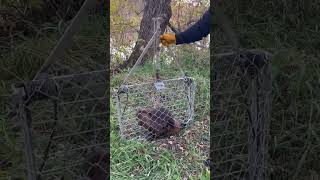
(188, 80)
(122, 89)
(159, 85)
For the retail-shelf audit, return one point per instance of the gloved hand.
(168, 39)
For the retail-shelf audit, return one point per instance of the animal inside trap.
(147, 111)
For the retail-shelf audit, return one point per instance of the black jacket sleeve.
(196, 32)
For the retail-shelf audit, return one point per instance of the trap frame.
(175, 95)
(61, 116)
(64, 122)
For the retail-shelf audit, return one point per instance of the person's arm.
(196, 32)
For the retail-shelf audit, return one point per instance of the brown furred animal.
(159, 122)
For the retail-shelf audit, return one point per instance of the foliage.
(125, 21)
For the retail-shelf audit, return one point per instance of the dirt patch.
(194, 138)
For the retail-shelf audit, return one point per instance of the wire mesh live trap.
(240, 115)
(150, 110)
(62, 114)
(168, 108)
(64, 120)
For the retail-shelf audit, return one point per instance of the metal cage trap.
(151, 110)
(61, 116)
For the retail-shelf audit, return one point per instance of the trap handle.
(152, 39)
(157, 29)
(177, 58)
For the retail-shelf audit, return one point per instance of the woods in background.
(132, 26)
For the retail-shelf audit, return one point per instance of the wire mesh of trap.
(65, 126)
(60, 121)
(239, 125)
(230, 128)
(145, 112)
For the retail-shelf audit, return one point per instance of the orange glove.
(168, 39)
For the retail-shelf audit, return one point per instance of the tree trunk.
(152, 9)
